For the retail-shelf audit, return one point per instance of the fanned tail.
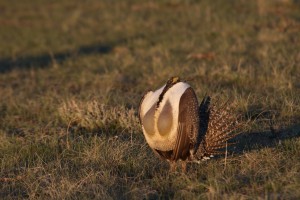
(220, 124)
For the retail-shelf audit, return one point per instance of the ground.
(72, 74)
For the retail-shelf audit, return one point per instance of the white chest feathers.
(159, 116)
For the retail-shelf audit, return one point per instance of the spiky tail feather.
(220, 124)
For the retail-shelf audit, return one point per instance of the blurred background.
(115, 51)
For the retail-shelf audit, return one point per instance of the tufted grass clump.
(94, 116)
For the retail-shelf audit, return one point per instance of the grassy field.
(72, 74)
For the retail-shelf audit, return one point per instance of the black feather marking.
(172, 81)
(204, 112)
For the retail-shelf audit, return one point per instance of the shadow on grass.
(264, 139)
(44, 60)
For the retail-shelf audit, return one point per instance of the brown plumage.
(177, 129)
(220, 124)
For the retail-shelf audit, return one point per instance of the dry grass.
(95, 116)
(72, 75)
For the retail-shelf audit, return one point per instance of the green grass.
(72, 74)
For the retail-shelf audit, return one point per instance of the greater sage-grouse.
(177, 128)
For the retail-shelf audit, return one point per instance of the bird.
(177, 128)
